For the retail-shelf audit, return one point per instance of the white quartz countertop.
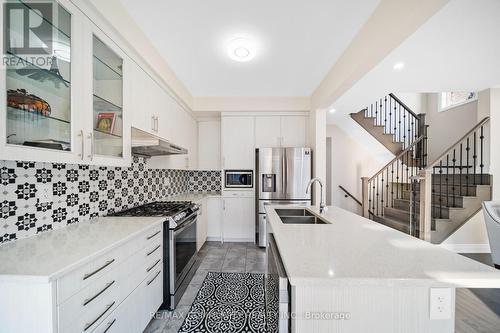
(52, 254)
(354, 250)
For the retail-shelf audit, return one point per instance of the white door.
(237, 138)
(267, 131)
(294, 131)
(214, 219)
(238, 219)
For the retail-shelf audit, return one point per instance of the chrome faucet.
(322, 207)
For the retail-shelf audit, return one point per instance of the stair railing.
(393, 181)
(397, 119)
(348, 194)
(461, 166)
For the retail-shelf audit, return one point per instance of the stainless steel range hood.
(147, 145)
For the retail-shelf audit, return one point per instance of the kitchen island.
(354, 275)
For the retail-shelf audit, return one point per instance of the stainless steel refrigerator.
(282, 178)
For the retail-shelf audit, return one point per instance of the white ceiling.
(457, 49)
(299, 41)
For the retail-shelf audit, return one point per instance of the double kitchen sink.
(299, 216)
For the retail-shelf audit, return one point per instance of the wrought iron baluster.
(454, 175)
(481, 165)
(474, 157)
(461, 167)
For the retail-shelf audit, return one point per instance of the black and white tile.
(82, 192)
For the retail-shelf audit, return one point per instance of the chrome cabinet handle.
(91, 137)
(109, 325)
(109, 262)
(150, 268)
(156, 233)
(88, 325)
(152, 251)
(154, 278)
(82, 155)
(153, 123)
(88, 300)
(157, 123)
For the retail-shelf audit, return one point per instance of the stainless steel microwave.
(238, 179)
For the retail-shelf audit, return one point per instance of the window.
(451, 99)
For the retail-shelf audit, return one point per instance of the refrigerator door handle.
(283, 165)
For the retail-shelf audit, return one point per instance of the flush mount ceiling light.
(241, 49)
(399, 66)
(332, 110)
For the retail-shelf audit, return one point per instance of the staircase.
(450, 189)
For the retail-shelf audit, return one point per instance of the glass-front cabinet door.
(107, 101)
(37, 78)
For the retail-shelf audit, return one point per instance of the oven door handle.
(185, 225)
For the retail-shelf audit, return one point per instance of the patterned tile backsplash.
(79, 192)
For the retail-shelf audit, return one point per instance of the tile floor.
(228, 257)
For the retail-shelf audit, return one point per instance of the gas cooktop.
(158, 208)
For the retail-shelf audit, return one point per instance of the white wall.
(469, 238)
(446, 127)
(350, 162)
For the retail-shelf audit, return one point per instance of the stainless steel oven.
(238, 179)
(182, 257)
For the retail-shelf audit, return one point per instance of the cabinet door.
(237, 138)
(109, 131)
(209, 157)
(201, 227)
(294, 131)
(238, 219)
(214, 219)
(40, 100)
(267, 131)
(141, 102)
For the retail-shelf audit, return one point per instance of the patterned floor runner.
(228, 303)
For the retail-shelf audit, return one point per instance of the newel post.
(364, 194)
(425, 204)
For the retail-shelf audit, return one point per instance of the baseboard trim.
(231, 240)
(467, 248)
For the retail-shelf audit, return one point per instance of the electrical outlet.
(440, 303)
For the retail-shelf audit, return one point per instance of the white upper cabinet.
(71, 105)
(209, 145)
(238, 142)
(144, 98)
(281, 131)
(267, 131)
(294, 131)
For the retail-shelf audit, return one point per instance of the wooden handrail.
(446, 152)
(403, 105)
(347, 193)
(398, 156)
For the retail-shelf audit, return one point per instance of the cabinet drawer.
(87, 274)
(151, 297)
(88, 301)
(89, 317)
(120, 320)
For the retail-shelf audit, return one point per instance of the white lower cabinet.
(214, 218)
(238, 210)
(201, 227)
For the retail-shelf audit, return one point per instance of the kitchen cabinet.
(41, 111)
(267, 131)
(238, 216)
(294, 131)
(56, 104)
(281, 131)
(237, 142)
(214, 218)
(202, 227)
(209, 157)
